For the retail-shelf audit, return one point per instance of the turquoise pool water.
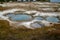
(25, 17)
(19, 17)
(37, 25)
(52, 19)
(38, 18)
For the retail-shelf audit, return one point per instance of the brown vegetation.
(4, 8)
(10, 33)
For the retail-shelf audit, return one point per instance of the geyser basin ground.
(28, 18)
(20, 17)
(52, 19)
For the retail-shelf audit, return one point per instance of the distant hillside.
(16, 0)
